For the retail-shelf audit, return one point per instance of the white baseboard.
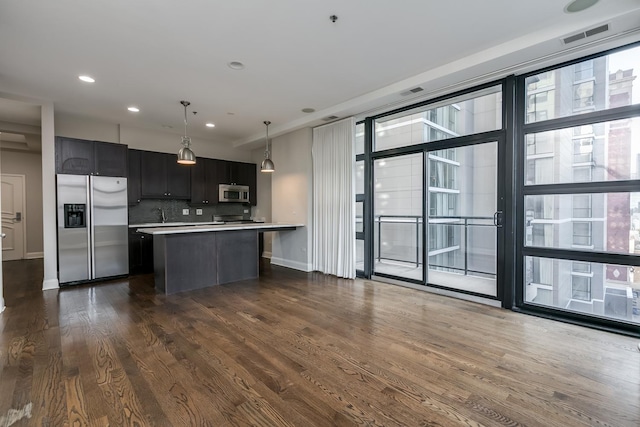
(50, 284)
(2, 307)
(34, 255)
(266, 254)
(296, 265)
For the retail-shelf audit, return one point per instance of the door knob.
(3, 235)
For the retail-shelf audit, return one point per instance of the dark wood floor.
(295, 349)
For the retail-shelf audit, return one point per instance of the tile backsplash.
(148, 211)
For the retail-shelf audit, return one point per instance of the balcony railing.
(416, 222)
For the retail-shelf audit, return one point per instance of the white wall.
(291, 200)
(73, 126)
(29, 164)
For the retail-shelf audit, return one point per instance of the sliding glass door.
(463, 218)
(398, 216)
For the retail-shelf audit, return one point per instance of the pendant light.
(185, 155)
(267, 163)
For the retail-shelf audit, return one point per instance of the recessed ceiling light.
(133, 109)
(579, 5)
(308, 110)
(210, 125)
(87, 79)
(235, 65)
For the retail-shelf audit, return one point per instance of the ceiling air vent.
(329, 118)
(585, 34)
(411, 91)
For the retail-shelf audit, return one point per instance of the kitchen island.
(192, 257)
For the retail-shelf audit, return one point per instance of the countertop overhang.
(173, 224)
(182, 229)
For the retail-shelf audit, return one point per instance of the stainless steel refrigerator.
(92, 227)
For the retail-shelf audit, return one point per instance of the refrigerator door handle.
(91, 229)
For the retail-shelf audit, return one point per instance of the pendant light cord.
(185, 120)
(267, 153)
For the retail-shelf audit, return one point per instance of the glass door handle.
(497, 219)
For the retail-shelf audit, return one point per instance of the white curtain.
(334, 199)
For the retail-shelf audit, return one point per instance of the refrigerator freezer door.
(110, 226)
(73, 243)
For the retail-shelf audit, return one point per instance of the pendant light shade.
(185, 155)
(267, 164)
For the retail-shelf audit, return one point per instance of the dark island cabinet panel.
(162, 177)
(134, 190)
(81, 157)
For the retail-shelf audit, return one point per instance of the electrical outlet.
(198, 211)
(185, 211)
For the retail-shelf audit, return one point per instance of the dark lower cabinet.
(140, 253)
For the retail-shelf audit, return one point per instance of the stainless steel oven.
(233, 193)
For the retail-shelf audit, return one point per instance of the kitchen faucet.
(162, 215)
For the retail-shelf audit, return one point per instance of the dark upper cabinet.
(74, 156)
(205, 178)
(178, 178)
(134, 192)
(162, 177)
(110, 159)
(81, 157)
(247, 176)
(210, 173)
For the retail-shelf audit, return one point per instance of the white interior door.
(12, 206)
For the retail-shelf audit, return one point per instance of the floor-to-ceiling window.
(580, 217)
(437, 164)
(359, 149)
(554, 153)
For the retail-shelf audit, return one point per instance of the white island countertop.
(173, 224)
(261, 226)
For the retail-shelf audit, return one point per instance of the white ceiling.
(153, 53)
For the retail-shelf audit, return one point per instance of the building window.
(583, 70)
(583, 95)
(582, 173)
(581, 288)
(582, 233)
(540, 171)
(442, 174)
(583, 150)
(582, 205)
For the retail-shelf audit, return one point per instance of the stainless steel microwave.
(233, 193)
